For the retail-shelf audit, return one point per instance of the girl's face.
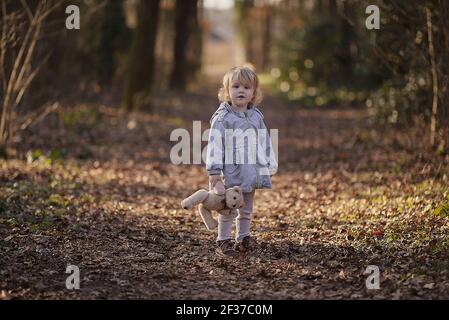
(241, 94)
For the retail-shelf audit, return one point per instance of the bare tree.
(443, 77)
(194, 53)
(141, 58)
(21, 27)
(186, 20)
(244, 8)
(433, 125)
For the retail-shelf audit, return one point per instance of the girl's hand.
(216, 184)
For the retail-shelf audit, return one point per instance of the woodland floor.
(93, 187)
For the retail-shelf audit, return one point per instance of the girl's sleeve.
(270, 153)
(215, 147)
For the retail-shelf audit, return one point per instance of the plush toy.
(232, 198)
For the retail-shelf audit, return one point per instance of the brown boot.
(225, 248)
(248, 243)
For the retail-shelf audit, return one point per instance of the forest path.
(102, 195)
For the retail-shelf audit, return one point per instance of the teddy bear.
(223, 202)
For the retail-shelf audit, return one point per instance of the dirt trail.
(347, 195)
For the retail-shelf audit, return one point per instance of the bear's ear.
(237, 188)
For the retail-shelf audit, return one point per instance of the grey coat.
(240, 147)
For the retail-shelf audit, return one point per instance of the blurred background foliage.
(315, 53)
(325, 56)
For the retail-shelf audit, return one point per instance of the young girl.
(240, 148)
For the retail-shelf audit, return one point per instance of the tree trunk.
(248, 33)
(266, 41)
(443, 69)
(332, 11)
(195, 51)
(433, 69)
(114, 35)
(186, 11)
(141, 57)
(243, 8)
(348, 46)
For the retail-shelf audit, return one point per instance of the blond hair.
(245, 76)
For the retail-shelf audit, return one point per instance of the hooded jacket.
(240, 148)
